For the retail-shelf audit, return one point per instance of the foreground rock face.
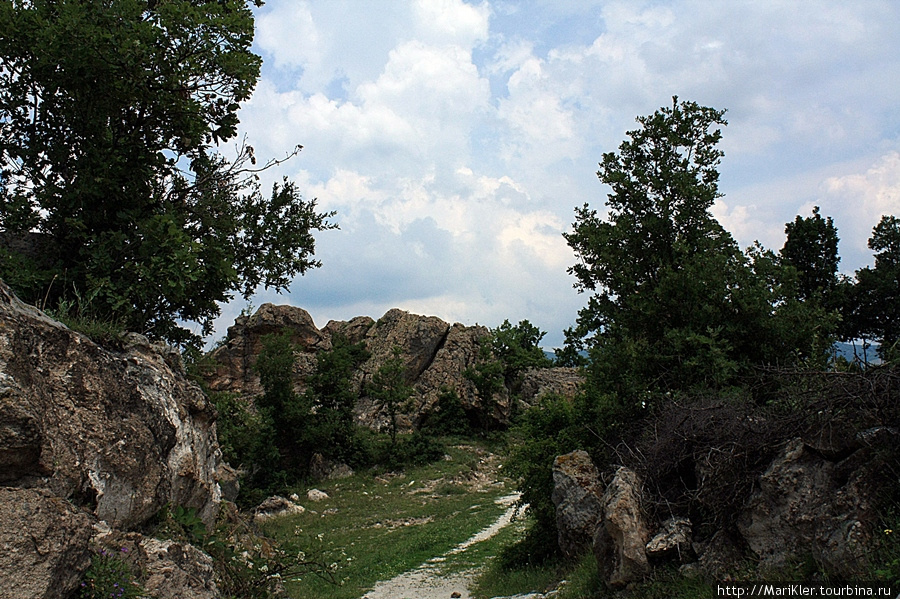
(90, 435)
(435, 354)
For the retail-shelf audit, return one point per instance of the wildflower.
(888, 531)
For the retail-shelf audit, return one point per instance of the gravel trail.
(426, 583)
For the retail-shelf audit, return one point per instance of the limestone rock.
(674, 537)
(545, 381)
(43, 544)
(577, 492)
(121, 434)
(621, 537)
(243, 343)
(808, 505)
(321, 468)
(276, 507)
(316, 495)
(175, 570)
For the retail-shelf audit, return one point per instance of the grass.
(374, 527)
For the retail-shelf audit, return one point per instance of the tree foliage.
(874, 302)
(111, 187)
(812, 248)
(390, 390)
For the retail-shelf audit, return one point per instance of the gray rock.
(321, 468)
(275, 507)
(674, 537)
(621, 537)
(43, 544)
(539, 382)
(809, 506)
(176, 570)
(122, 434)
(316, 495)
(577, 492)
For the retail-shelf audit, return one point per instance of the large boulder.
(577, 493)
(89, 436)
(808, 505)
(621, 538)
(435, 353)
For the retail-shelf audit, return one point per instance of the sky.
(454, 138)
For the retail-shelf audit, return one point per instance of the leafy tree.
(812, 248)
(874, 303)
(390, 390)
(281, 405)
(332, 395)
(111, 187)
(674, 303)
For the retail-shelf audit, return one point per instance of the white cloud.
(452, 22)
(859, 200)
(455, 138)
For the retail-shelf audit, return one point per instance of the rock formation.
(90, 437)
(577, 491)
(435, 353)
(621, 537)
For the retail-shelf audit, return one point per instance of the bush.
(544, 432)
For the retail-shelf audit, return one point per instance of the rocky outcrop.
(435, 354)
(539, 382)
(577, 493)
(234, 360)
(621, 537)
(89, 436)
(809, 504)
(673, 538)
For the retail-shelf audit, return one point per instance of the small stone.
(455, 595)
(316, 495)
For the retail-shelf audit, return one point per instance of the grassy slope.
(376, 527)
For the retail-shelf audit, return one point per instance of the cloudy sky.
(454, 139)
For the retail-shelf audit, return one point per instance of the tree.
(390, 390)
(874, 302)
(332, 395)
(111, 188)
(661, 270)
(812, 248)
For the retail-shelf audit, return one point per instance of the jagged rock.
(809, 506)
(674, 537)
(235, 358)
(43, 544)
(436, 355)
(459, 352)
(122, 434)
(545, 381)
(321, 468)
(316, 495)
(621, 537)
(354, 330)
(175, 570)
(577, 492)
(276, 506)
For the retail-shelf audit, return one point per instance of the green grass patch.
(374, 527)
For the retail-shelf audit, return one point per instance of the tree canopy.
(112, 189)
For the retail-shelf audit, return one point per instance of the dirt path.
(425, 582)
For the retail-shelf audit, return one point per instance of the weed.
(109, 577)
